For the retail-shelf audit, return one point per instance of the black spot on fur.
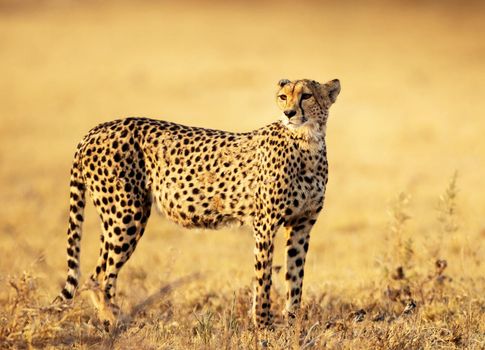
(292, 252)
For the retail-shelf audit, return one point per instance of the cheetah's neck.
(310, 136)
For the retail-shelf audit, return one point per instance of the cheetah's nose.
(290, 113)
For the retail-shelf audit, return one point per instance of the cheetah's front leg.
(298, 238)
(264, 233)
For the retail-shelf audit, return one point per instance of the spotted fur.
(271, 177)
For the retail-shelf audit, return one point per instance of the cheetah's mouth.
(295, 124)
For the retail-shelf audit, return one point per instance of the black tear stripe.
(300, 100)
(301, 107)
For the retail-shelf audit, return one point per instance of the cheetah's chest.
(309, 186)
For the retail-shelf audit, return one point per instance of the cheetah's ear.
(283, 82)
(330, 90)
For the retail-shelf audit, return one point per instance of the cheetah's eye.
(306, 96)
(282, 97)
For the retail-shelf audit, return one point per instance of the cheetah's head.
(305, 104)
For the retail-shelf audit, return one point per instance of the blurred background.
(410, 114)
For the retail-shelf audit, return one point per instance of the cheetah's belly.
(206, 194)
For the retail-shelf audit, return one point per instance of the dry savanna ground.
(396, 259)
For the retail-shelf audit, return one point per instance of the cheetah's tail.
(74, 230)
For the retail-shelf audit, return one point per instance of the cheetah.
(269, 178)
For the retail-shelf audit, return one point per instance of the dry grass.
(410, 114)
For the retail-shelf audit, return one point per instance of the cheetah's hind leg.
(118, 243)
(107, 312)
